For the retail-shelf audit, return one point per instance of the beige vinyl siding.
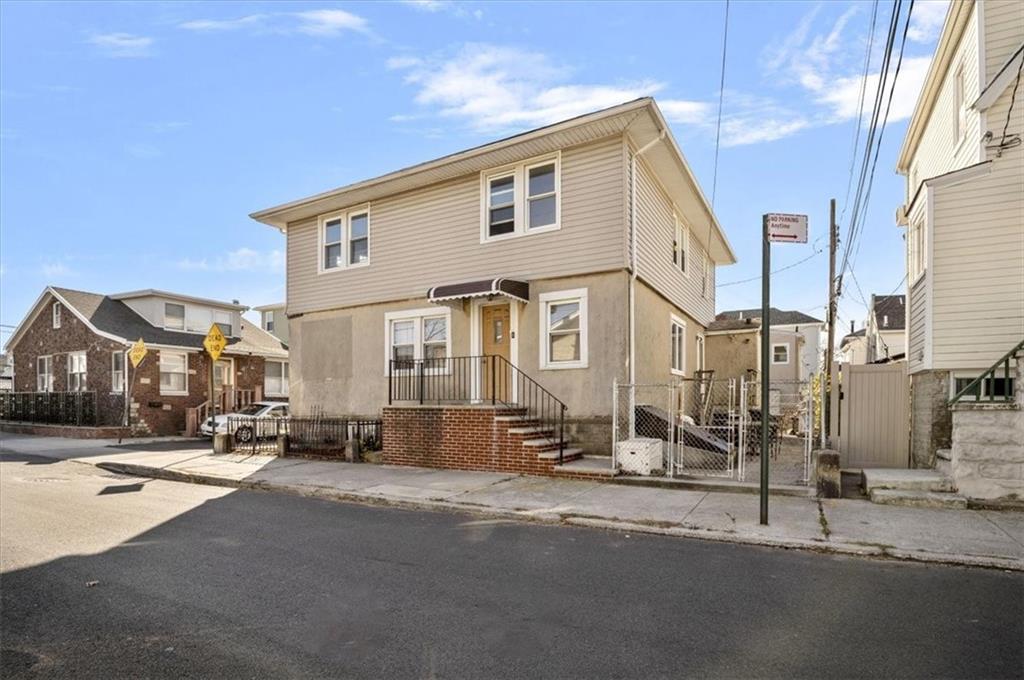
(431, 236)
(978, 275)
(938, 152)
(917, 317)
(1004, 31)
(655, 232)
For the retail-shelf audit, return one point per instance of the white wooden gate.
(870, 425)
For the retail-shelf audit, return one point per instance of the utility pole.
(833, 242)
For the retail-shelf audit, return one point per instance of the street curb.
(545, 517)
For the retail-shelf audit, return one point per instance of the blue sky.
(135, 138)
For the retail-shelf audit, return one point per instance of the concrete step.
(905, 480)
(531, 429)
(515, 419)
(567, 454)
(944, 467)
(589, 465)
(542, 443)
(919, 499)
(944, 454)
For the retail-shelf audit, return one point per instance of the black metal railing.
(50, 408)
(983, 388)
(318, 435)
(484, 379)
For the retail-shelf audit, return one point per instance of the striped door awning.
(510, 288)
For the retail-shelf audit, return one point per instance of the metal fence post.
(493, 362)
(419, 367)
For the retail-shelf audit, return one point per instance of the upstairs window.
(959, 111)
(915, 251)
(780, 353)
(268, 322)
(76, 372)
(174, 316)
(521, 199)
(680, 245)
(345, 240)
(223, 321)
(44, 374)
(56, 314)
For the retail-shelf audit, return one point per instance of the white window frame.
(268, 322)
(784, 345)
(520, 172)
(546, 300)
(160, 371)
(702, 347)
(230, 323)
(285, 377)
(982, 387)
(84, 380)
(184, 316)
(418, 316)
(55, 315)
(346, 242)
(115, 386)
(677, 322)
(47, 385)
(959, 112)
(916, 255)
(681, 246)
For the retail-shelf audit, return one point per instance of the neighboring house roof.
(117, 321)
(778, 317)
(269, 308)
(850, 337)
(893, 307)
(640, 119)
(153, 292)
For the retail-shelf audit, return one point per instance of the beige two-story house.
(580, 253)
(964, 215)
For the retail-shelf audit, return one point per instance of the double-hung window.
(915, 248)
(44, 374)
(118, 370)
(345, 240)
(417, 335)
(223, 320)
(56, 315)
(958, 104)
(174, 316)
(76, 372)
(678, 345)
(521, 199)
(173, 373)
(563, 325)
(680, 245)
(275, 378)
(780, 353)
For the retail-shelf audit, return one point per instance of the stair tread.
(909, 480)
(918, 498)
(566, 453)
(529, 429)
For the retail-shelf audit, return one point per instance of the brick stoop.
(476, 437)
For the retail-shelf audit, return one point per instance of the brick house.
(75, 341)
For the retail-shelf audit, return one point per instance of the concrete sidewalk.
(966, 537)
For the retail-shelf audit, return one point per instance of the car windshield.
(251, 409)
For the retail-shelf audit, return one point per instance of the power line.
(774, 271)
(860, 107)
(721, 95)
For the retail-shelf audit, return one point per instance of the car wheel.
(244, 434)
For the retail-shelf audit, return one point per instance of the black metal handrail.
(54, 408)
(1007, 394)
(478, 379)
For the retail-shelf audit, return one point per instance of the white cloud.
(317, 22)
(492, 88)
(433, 6)
(685, 111)
(402, 62)
(55, 270)
(242, 259)
(844, 93)
(927, 19)
(123, 45)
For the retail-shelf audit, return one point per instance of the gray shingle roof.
(892, 306)
(735, 319)
(117, 318)
(853, 336)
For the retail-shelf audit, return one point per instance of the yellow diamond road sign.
(137, 353)
(215, 342)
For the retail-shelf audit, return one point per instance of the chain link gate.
(701, 427)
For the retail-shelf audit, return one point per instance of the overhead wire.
(721, 96)
(860, 107)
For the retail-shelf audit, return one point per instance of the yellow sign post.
(214, 342)
(137, 353)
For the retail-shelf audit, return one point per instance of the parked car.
(265, 417)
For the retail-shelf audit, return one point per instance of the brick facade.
(462, 438)
(152, 411)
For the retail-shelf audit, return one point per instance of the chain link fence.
(791, 430)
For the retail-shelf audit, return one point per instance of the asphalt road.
(109, 576)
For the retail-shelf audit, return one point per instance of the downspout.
(633, 257)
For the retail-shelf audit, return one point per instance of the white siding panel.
(431, 236)
(917, 324)
(979, 266)
(1004, 31)
(655, 233)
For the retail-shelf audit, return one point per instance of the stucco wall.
(731, 355)
(653, 338)
(338, 357)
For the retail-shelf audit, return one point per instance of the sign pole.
(214, 342)
(766, 268)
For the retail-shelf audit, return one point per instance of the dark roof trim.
(517, 290)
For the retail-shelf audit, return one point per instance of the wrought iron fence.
(51, 408)
(310, 435)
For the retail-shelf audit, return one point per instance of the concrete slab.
(796, 518)
(1010, 522)
(529, 494)
(910, 480)
(912, 498)
(637, 504)
(918, 529)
